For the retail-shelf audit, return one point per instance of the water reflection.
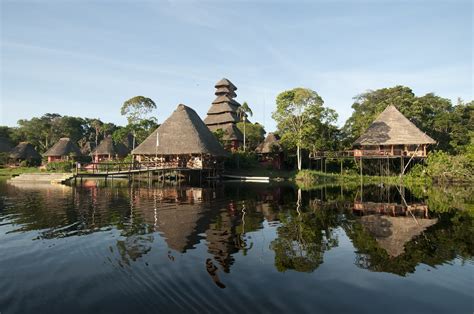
(391, 229)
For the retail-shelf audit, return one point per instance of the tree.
(300, 116)
(135, 109)
(96, 124)
(255, 134)
(244, 111)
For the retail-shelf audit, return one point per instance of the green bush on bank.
(441, 167)
(61, 166)
(241, 160)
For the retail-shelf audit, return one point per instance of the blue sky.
(84, 58)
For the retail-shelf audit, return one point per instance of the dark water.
(235, 248)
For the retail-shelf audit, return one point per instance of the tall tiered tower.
(223, 114)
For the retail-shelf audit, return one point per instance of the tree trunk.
(244, 135)
(298, 157)
(134, 136)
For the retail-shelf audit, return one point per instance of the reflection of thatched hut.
(223, 114)
(5, 145)
(182, 141)
(64, 149)
(108, 150)
(392, 233)
(392, 134)
(270, 151)
(25, 151)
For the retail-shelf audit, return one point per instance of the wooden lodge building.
(270, 152)
(108, 150)
(392, 135)
(24, 151)
(183, 141)
(63, 150)
(223, 114)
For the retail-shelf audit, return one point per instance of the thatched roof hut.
(392, 128)
(24, 151)
(392, 233)
(183, 133)
(271, 144)
(223, 113)
(108, 148)
(63, 149)
(5, 145)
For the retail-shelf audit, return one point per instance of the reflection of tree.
(451, 237)
(303, 237)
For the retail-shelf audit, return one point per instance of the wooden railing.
(366, 153)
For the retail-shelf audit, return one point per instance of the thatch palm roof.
(221, 108)
(225, 117)
(231, 131)
(392, 128)
(182, 133)
(5, 145)
(269, 145)
(63, 147)
(108, 147)
(24, 150)
(226, 83)
(225, 91)
(227, 99)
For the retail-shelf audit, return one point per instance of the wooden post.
(360, 162)
(402, 166)
(342, 160)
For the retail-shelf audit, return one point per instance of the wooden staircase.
(56, 178)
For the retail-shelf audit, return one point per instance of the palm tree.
(244, 111)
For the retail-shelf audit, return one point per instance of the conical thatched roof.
(392, 233)
(226, 83)
(24, 150)
(5, 145)
(225, 99)
(108, 147)
(63, 147)
(269, 145)
(231, 131)
(221, 108)
(225, 117)
(392, 128)
(225, 91)
(182, 133)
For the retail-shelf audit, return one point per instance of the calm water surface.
(234, 248)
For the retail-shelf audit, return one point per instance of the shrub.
(63, 166)
(242, 160)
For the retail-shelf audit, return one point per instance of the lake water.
(234, 248)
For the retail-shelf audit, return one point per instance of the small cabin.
(183, 141)
(270, 152)
(108, 150)
(63, 150)
(24, 151)
(392, 135)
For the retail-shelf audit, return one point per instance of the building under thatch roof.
(223, 114)
(24, 151)
(270, 145)
(108, 150)
(64, 149)
(393, 233)
(393, 134)
(182, 141)
(270, 152)
(5, 145)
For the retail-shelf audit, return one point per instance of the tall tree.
(244, 111)
(300, 116)
(136, 109)
(96, 124)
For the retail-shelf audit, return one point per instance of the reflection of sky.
(78, 58)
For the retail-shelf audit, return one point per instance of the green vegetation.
(303, 122)
(136, 109)
(60, 166)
